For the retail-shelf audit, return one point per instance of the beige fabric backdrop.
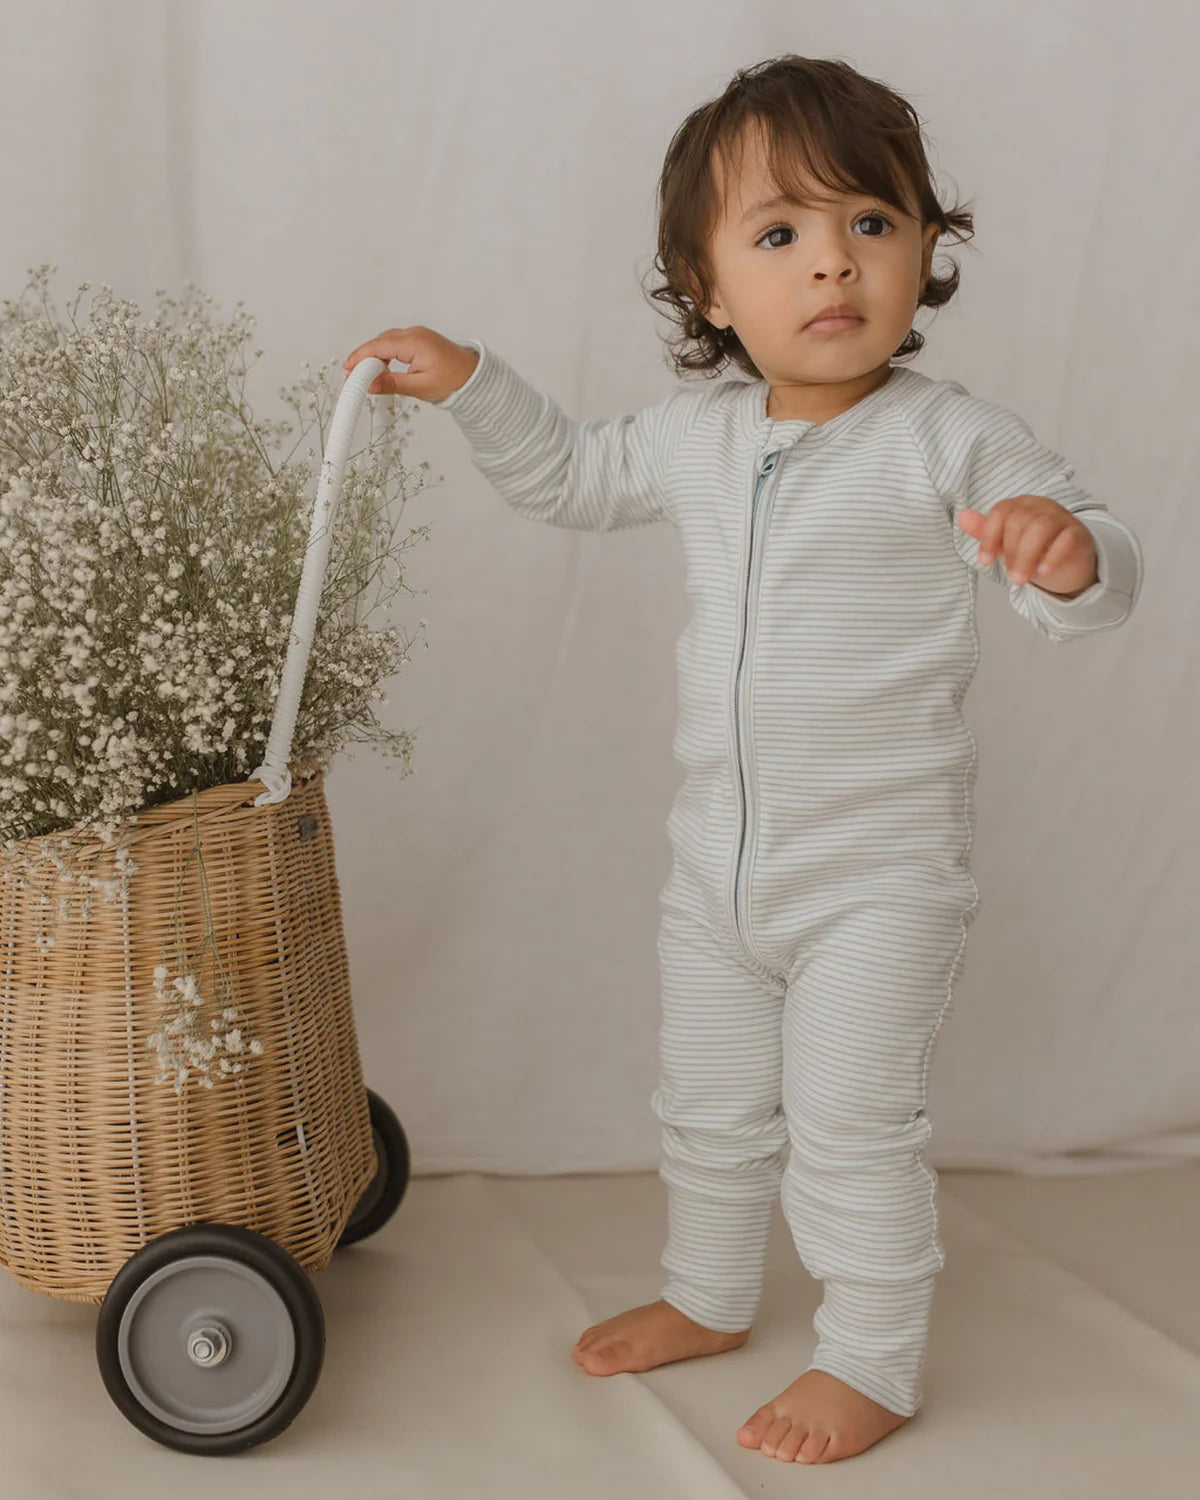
(489, 171)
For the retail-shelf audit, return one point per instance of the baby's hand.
(436, 365)
(1037, 538)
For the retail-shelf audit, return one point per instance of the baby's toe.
(813, 1446)
(602, 1357)
(751, 1434)
(776, 1433)
(790, 1445)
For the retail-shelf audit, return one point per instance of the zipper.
(766, 467)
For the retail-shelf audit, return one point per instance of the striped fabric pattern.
(814, 920)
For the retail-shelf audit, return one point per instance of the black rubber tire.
(385, 1190)
(286, 1276)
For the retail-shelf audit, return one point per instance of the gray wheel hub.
(206, 1344)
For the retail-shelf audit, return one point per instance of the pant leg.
(861, 1018)
(723, 1129)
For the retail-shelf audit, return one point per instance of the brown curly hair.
(852, 133)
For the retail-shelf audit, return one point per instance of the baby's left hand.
(1037, 538)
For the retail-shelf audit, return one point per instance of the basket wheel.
(385, 1190)
(211, 1339)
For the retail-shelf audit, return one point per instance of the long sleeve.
(984, 453)
(589, 476)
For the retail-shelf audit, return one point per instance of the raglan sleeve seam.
(1108, 602)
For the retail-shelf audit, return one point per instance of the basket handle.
(274, 773)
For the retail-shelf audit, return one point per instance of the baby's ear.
(692, 289)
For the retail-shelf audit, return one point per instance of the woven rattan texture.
(96, 1156)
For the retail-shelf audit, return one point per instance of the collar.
(788, 431)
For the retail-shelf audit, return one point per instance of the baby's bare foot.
(816, 1420)
(643, 1337)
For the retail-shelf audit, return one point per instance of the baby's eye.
(775, 228)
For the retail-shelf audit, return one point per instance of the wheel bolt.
(208, 1346)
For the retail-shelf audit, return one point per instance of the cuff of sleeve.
(1111, 597)
(493, 399)
(466, 391)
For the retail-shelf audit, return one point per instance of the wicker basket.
(97, 1157)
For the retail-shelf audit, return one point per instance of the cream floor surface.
(1064, 1361)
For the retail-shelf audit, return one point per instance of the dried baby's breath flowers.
(150, 556)
(183, 1050)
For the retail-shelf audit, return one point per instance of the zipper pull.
(769, 461)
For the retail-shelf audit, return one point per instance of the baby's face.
(776, 267)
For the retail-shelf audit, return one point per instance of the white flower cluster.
(180, 1049)
(150, 558)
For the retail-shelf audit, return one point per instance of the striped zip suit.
(814, 920)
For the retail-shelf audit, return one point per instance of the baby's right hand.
(436, 365)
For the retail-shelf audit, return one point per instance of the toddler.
(835, 510)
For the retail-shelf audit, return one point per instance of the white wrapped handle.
(274, 773)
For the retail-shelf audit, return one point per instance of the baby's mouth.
(833, 325)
